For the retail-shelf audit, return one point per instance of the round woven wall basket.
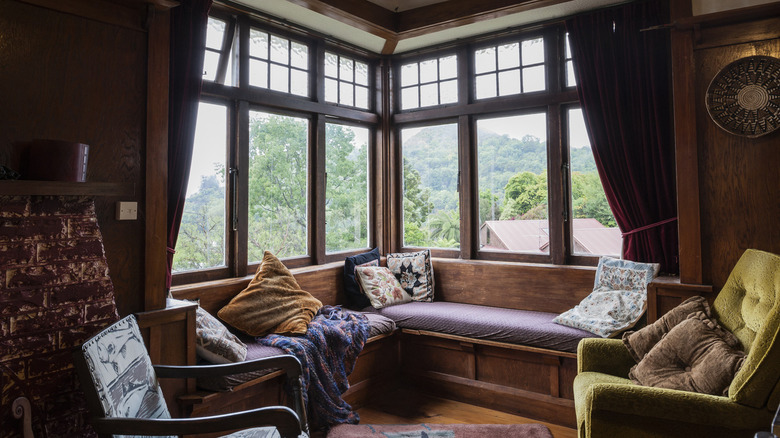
(744, 97)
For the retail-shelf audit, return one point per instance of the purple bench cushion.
(522, 327)
(378, 325)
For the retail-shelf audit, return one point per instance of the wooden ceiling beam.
(360, 14)
(454, 13)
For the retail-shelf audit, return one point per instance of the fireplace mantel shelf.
(60, 188)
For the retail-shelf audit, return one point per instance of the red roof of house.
(590, 236)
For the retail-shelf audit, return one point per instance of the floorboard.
(405, 406)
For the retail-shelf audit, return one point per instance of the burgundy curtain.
(623, 82)
(188, 41)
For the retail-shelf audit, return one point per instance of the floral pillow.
(618, 300)
(415, 273)
(380, 286)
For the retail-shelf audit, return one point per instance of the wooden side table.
(665, 293)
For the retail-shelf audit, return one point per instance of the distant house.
(590, 236)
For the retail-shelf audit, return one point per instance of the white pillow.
(618, 300)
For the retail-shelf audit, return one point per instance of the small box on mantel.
(56, 160)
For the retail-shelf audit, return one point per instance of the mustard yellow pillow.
(271, 303)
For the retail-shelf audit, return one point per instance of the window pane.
(361, 73)
(346, 70)
(346, 192)
(571, 81)
(533, 79)
(430, 177)
(299, 55)
(278, 181)
(331, 61)
(509, 56)
(486, 86)
(215, 33)
(512, 175)
(331, 91)
(594, 228)
(428, 71)
(533, 51)
(346, 96)
(448, 67)
(409, 74)
(258, 73)
(279, 50)
(299, 82)
(409, 98)
(429, 95)
(210, 64)
(279, 79)
(258, 44)
(485, 60)
(201, 242)
(449, 91)
(361, 97)
(509, 82)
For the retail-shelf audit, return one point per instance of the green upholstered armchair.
(609, 405)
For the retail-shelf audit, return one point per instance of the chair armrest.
(289, 363)
(283, 418)
(673, 405)
(608, 356)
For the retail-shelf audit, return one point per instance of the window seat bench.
(487, 340)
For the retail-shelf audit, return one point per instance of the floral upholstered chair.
(125, 399)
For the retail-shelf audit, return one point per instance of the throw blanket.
(327, 351)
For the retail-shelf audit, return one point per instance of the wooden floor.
(405, 406)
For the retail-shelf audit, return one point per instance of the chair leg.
(299, 406)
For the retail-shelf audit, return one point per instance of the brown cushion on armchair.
(641, 341)
(696, 355)
(271, 303)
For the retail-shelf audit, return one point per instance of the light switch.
(126, 211)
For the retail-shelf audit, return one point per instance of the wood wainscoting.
(520, 380)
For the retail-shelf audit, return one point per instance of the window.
(278, 182)
(429, 83)
(278, 63)
(594, 228)
(512, 169)
(201, 241)
(511, 68)
(346, 197)
(218, 59)
(431, 205)
(282, 173)
(346, 81)
(571, 81)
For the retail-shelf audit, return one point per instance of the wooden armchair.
(124, 398)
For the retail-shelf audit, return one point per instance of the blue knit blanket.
(327, 351)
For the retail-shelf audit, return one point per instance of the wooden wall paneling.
(156, 196)
(683, 81)
(512, 285)
(83, 79)
(738, 175)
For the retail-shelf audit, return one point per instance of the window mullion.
(317, 225)
(240, 236)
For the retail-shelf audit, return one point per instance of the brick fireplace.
(55, 292)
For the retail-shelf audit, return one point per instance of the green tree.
(588, 199)
(444, 228)
(346, 201)
(278, 170)
(201, 241)
(524, 192)
(489, 206)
